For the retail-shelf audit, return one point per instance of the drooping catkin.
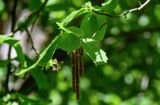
(73, 71)
(81, 61)
(77, 74)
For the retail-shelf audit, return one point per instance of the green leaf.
(69, 42)
(76, 31)
(99, 35)
(45, 56)
(34, 4)
(97, 55)
(38, 75)
(109, 5)
(15, 43)
(73, 15)
(62, 27)
(40, 78)
(72, 30)
(89, 25)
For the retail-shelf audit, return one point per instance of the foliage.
(128, 75)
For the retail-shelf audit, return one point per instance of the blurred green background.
(132, 44)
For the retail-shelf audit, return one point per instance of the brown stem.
(34, 14)
(13, 22)
(30, 38)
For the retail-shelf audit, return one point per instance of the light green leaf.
(89, 25)
(15, 43)
(109, 5)
(97, 55)
(73, 15)
(45, 56)
(62, 27)
(69, 42)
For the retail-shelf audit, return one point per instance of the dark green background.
(132, 45)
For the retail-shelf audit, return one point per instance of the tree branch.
(30, 37)
(34, 14)
(126, 12)
(122, 14)
(135, 9)
(13, 23)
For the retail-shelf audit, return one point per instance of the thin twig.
(105, 14)
(126, 12)
(135, 9)
(13, 23)
(101, 26)
(36, 13)
(30, 38)
(37, 16)
(122, 14)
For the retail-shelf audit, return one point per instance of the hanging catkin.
(81, 61)
(73, 71)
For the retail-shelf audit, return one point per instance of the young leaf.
(45, 56)
(73, 15)
(68, 42)
(89, 25)
(109, 5)
(97, 55)
(15, 43)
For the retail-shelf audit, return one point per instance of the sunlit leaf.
(97, 55)
(109, 5)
